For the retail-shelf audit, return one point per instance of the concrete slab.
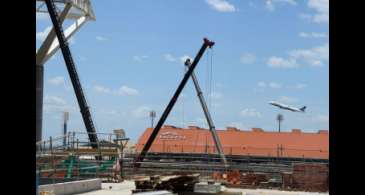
(124, 188)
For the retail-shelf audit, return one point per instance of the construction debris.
(234, 178)
(312, 177)
(47, 193)
(308, 177)
(174, 183)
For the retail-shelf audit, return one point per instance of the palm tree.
(279, 118)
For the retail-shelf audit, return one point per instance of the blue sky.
(129, 62)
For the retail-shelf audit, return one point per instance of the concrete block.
(74, 187)
(207, 188)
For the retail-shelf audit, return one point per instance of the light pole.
(65, 119)
(279, 118)
(152, 116)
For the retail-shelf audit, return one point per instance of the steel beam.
(51, 45)
(39, 102)
(84, 6)
(69, 32)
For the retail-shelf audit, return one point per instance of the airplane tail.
(303, 108)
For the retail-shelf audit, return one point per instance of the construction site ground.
(126, 187)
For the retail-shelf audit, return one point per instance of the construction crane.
(207, 43)
(207, 114)
(84, 108)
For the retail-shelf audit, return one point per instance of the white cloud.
(55, 104)
(41, 36)
(139, 58)
(316, 56)
(300, 86)
(305, 16)
(238, 125)
(321, 9)
(286, 99)
(101, 38)
(250, 112)
(221, 5)
(278, 62)
(125, 90)
(261, 84)
(54, 100)
(141, 112)
(321, 6)
(59, 80)
(110, 114)
(270, 4)
(216, 95)
(183, 58)
(313, 35)
(169, 57)
(291, 2)
(247, 58)
(274, 85)
(102, 89)
(321, 118)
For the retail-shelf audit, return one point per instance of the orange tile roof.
(256, 142)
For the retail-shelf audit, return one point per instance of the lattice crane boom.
(84, 108)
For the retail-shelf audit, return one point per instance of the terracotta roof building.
(255, 142)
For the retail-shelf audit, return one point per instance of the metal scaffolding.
(76, 160)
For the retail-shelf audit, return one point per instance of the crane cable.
(182, 102)
(209, 78)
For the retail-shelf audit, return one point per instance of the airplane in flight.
(286, 107)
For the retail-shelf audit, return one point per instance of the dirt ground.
(126, 187)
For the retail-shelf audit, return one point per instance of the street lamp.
(152, 116)
(279, 118)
